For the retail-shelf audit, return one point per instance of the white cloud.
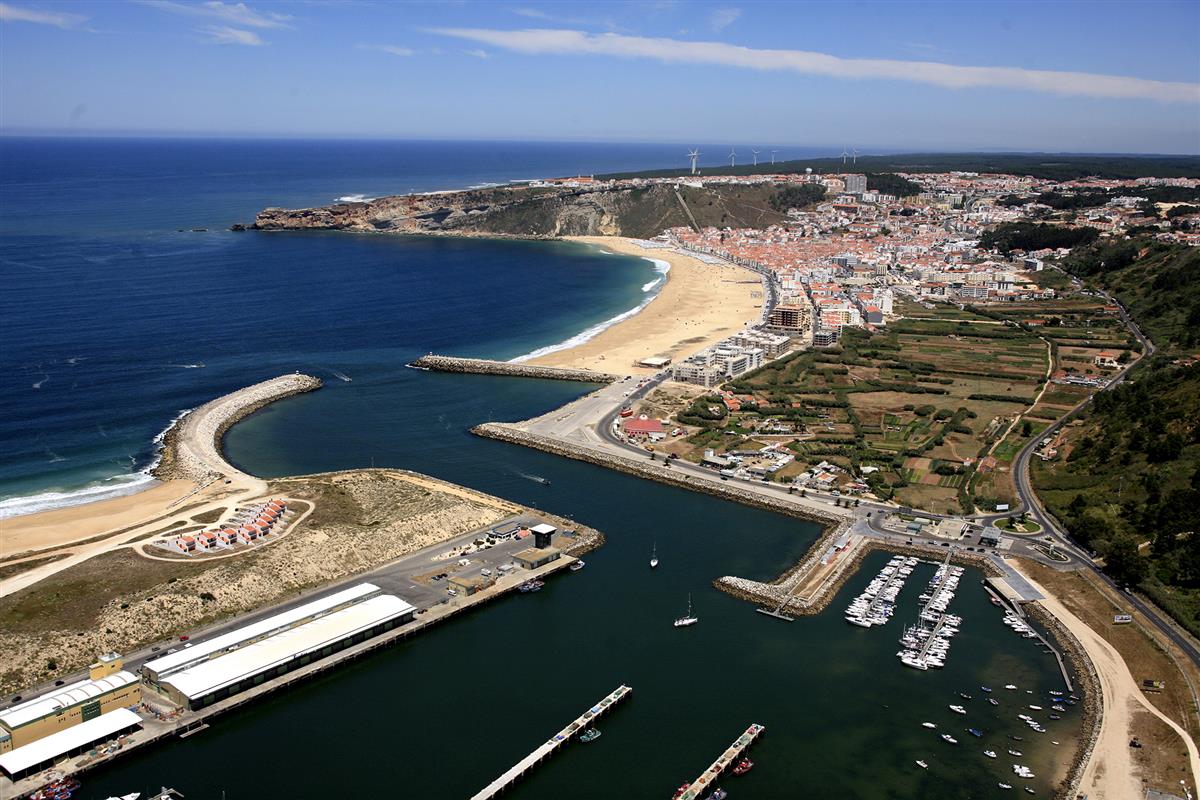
(389, 48)
(223, 34)
(673, 51)
(235, 13)
(478, 53)
(722, 18)
(532, 13)
(58, 19)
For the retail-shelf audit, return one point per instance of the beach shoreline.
(697, 305)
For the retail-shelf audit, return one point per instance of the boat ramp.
(698, 787)
(553, 744)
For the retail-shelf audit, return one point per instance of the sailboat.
(687, 619)
(654, 555)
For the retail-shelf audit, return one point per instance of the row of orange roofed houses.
(262, 520)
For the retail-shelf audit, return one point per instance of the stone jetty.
(191, 448)
(516, 369)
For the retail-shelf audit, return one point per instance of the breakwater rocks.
(819, 598)
(654, 471)
(484, 366)
(191, 448)
(1088, 684)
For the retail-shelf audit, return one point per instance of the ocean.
(117, 315)
(114, 321)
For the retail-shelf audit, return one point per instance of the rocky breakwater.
(191, 448)
(654, 470)
(483, 366)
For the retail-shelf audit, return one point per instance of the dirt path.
(1109, 774)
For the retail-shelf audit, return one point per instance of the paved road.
(398, 577)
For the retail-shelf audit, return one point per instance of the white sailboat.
(654, 555)
(689, 618)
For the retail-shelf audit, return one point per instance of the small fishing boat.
(928, 725)
(743, 766)
(986, 689)
(990, 753)
(993, 701)
(947, 737)
(1029, 791)
(958, 709)
(1004, 785)
(654, 555)
(1016, 738)
(1056, 716)
(1014, 752)
(578, 565)
(590, 735)
(964, 696)
(530, 586)
(689, 618)
(1057, 707)
(679, 792)
(922, 764)
(975, 732)
(718, 794)
(1036, 708)
(1010, 687)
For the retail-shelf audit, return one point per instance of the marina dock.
(701, 785)
(553, 744)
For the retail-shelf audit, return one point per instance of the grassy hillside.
(1158, 283)
(646, 211)
(1127, 484)
(1053, 166)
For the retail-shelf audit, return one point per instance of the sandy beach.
(1110, 771)
(699, 305)
(61, 526)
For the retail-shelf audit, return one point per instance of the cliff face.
(539, 212)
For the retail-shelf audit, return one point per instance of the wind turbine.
(855, 155)
(773, 152)
(845, 155)
(694, 155)
(732, 157)
(755, 153)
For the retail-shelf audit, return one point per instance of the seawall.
(191, 449)
(654, 471)
(484, 366)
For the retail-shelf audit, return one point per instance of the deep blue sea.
(112, 321)
(116, 315)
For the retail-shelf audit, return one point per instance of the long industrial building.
(65, 708)
(221, 667)
(45, 752)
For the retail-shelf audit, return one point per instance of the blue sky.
(1072, 76)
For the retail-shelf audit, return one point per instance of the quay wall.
(484, 366)
(191, 448)
(654, 471)
(773, 593)
(196, 721)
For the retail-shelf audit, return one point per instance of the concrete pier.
(552, 745)
(516, 369)
(191, 722)
(701, 785)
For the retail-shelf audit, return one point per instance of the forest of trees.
(797, 196)
(1011, 236)
(893, 184)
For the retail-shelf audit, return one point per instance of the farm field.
(929, 412)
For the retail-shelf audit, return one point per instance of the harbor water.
(115, 322)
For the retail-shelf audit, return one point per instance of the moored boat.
(590, 735)
(743, 766)
(922, 764)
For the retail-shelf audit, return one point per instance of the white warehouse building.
(211, 671)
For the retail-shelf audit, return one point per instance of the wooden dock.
(701, 785)
(553, 744)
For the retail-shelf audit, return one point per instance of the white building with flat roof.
(210, 680)
(44, 753)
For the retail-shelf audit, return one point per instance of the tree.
(1124, 563)
(1026, 428)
